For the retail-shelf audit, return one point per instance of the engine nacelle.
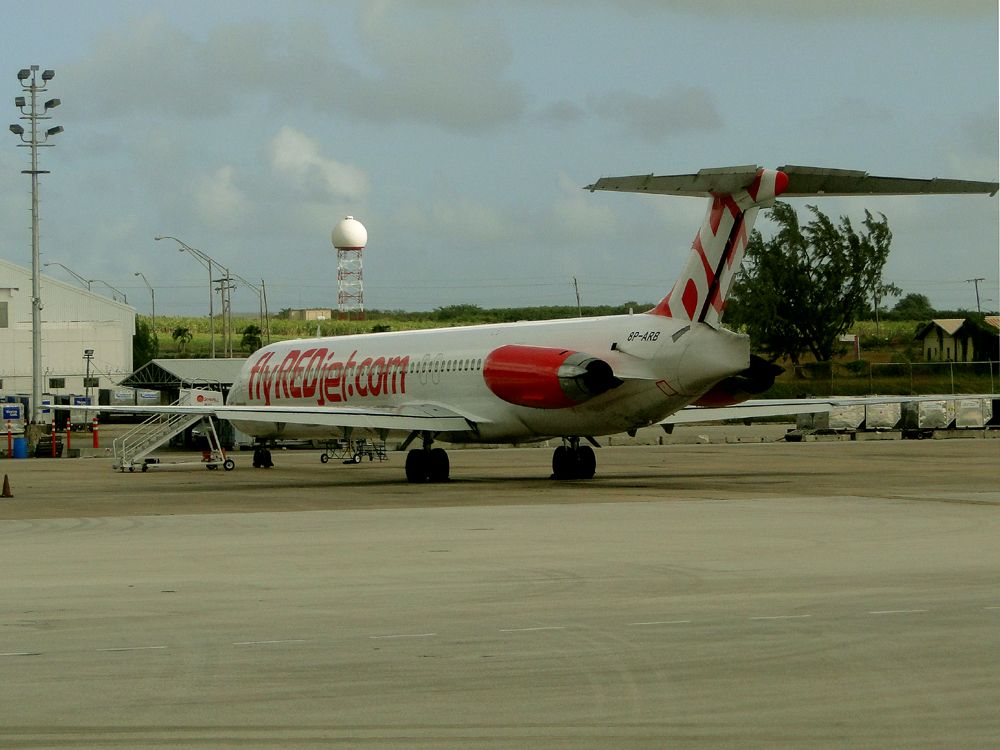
(546, 378)
(754, 380)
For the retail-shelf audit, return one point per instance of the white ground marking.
(261, 643)
(896, 611)
(403, 635)
(526, 630)
(662, 622)
(781, 617)
(134, 648)
(22, 653)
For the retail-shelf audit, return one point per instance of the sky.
(461, 135)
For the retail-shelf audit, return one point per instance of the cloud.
(460, 220)
(419, 65)
(296, 159)
(562, 112)
(822, 9)
(149, 67)
(218, 201)
(437, 65)
(655, 118)
(576, 217)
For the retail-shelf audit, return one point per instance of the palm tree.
(182, 335)
(251, 338)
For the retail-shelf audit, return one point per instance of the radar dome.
(349, 234)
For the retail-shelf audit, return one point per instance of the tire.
(356, 458)
(586, 462)
(439, 467)
(211, 467)
(324, 457)
(229, 464)
(416, 466)
(562, 463)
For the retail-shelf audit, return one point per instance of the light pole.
(152, 298)
(207, 262)
(88, 354)
(112, 288)
(27, 77)
(71, 272)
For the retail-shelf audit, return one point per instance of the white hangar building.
(73, 320)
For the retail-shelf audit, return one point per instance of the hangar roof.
(176, 373)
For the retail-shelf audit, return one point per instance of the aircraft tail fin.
(736, 194)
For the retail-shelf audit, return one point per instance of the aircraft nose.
(711, 355)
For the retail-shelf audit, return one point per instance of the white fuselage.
(664, 364)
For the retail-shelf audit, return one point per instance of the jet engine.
(756, 379)
(546, 378)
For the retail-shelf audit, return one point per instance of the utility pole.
(976, 281)
(27, 77)
(224, 288)
(576, 287)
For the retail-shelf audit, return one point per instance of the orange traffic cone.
(6, 487)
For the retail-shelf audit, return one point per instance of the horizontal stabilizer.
(802, 181)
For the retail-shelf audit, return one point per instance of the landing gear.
(574, 461)
(427, 465)
(262, 458)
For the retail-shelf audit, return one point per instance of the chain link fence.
(862, 377)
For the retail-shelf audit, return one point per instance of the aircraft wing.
(429, 417)
(791, 406)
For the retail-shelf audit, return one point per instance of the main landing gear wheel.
(569, 462)
(427, 465)
(262, 458)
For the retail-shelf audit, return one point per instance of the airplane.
(574, 380)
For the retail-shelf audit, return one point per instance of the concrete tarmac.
(719, 595)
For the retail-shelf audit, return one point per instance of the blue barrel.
(20, 447)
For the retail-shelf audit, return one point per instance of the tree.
(913, 307)
(806, 285)
(182, 335)
(145, 344)
(251, 340)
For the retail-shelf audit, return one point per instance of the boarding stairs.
(131, 449)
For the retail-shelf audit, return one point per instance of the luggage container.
(883, 416)
(847, 417)
(928, 415)
(146, 397)
(13, 412)
(79, 418)
(47, 412)
(974, 413)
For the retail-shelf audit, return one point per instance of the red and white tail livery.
(701, 291)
